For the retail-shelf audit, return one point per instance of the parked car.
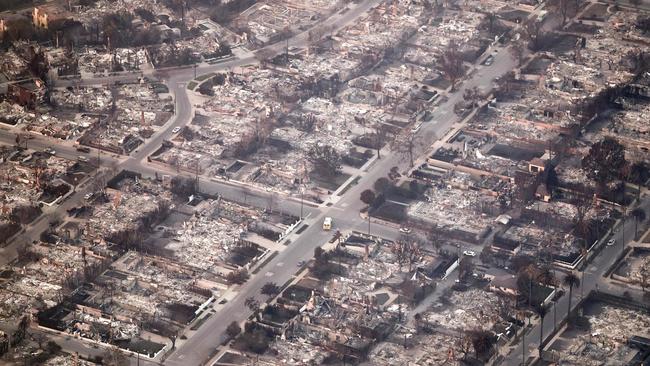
(405, 230)
(469, 253)
(176, 129)
(50, 151)
(611, 242)
(83, 149)
(488, 61)
(82, 159)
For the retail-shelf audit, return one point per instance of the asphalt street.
(197, 349)
(345, 214)
(592, 277)
(344, 210)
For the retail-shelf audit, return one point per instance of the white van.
(327, 224)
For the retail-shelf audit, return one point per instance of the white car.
(404, 230)
(176, 129)
(469, 253)
(88, 196)
(611, 242)
(50, 151)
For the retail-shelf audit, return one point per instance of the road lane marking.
(280, 264)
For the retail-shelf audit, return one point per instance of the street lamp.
(554, 316)
(623, 228)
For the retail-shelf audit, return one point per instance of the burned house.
(28, 93)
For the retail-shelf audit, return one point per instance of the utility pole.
(523, 344)
(286, 51)
(198, 190)
(302, 194)
(368, 224)
(623, 228)
(399, 303)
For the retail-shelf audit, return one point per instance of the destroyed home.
(361, 275)
(32, 179)
(130, 115)
(496, 149)
(618, 334)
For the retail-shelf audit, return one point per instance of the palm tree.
(639, 215)
(635, 174)
(532, 272)
(546, 276)
(435, 241)
(541, 310)
(572, 281)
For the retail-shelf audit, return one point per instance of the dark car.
(83, 149)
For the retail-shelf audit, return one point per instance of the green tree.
(270, 289)
(206, 88)
(252, 304)
(233, 329)
(368, 197)
(326, 160)
(382, 185)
